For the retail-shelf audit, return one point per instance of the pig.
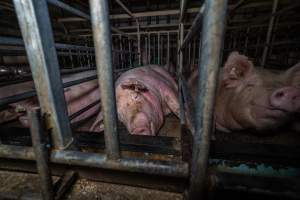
(77, 97)
(144, 96)
(250, 98)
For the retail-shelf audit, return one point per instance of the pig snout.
(286, 99)
(140, 125)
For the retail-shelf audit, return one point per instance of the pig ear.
(133, 84)
(293, 75)
(236, 69)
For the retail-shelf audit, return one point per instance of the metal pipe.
(168, 50)
(18, 97)
(183, 4)
(269, 34)
(102, 40)
(41, 153)
(181, 112)
(76, 114)
(212, 39)
(149, 50)
(196, 25)
(35, 26)
(137, 25)
(19, 41)
(153, 167)
(69, 8)
(158, 49)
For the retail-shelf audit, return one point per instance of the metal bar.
(183, 4)
(212, 39)
(139, 42)
(181, 112)
(149, 48)
(102, 40)
(19, 41)
(130, 53)
(35, 26)
(269, 34)
(18, 97)
(121, 51)
(196, 25)
(158, 49)
(65, 183)
(74, 115)
(153, 167)
(39, 143)
(168, 50)
(69, 8)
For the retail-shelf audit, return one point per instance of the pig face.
(252, 98)
(138, 107)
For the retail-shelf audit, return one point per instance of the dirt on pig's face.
(137, 108)
(255, 98)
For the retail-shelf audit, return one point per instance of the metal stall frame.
(196, 173)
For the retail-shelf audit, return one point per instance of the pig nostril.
(279, 94)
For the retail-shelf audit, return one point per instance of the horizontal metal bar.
(15, 98)
(19, 41)
(196, 25)
(69, 8)
(74, 115)
(163, 168)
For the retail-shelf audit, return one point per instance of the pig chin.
(267, 117)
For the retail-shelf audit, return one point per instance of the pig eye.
(250, 85)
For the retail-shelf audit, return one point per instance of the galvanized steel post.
(39, 144)
(36, 29)
(269, 33)
(212, 39)
(102, 42)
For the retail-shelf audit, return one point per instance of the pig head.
(250, 98)
(144, 96)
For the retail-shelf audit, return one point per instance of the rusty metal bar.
(102, 40)
(212, 40)
(153, 167)
(269, 34)
(41, 153)
(37, 34)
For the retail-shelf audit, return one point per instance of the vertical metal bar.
(181, 35)
(121, 52)
(39, 143)
(212, 39)
(102, 40)
(168, 49)
(130, 54)
(269, 34)
(145, 51)
(36, 29)
(149, 51)
(158, 49)
(139, 42)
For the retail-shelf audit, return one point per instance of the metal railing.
(37, 34)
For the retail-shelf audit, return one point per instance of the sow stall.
(201, 168)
